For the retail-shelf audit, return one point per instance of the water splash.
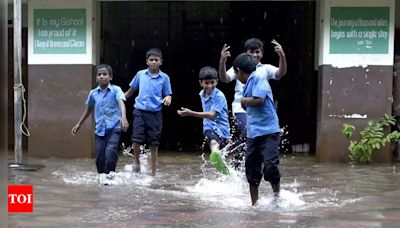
(285, 142)
(143, 155)
(231, 191)
(224, 190)
(74, 176)
(77, 177)
(234, 152)
(126, 177)
(211, 187)
(287, 201)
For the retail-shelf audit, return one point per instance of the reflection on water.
(188, 192)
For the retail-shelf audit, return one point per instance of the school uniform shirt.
(261, 119)
(216, 102)
(267, 70)
(107, 113)
(152, 90)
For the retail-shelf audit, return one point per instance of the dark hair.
(208, 73)
(154, 51)
(105, 66)
(253, 44)
(245, 63)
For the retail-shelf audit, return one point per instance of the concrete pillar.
(61, 58)
(356, 40)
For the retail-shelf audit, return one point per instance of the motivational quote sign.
(359, 30)
(59, 31)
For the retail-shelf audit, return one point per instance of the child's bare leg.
(253, 194)
(275, 188)
(136, 160)
(214, 145)
(154, 158)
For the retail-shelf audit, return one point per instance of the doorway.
(191, 35)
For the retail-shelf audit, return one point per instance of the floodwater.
(187, 192)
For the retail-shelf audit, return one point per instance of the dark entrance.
(191, 35)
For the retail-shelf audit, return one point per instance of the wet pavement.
(186, 192)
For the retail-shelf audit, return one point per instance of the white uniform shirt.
(267, 70)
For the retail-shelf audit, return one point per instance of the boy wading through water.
(254, 47)
(107, 101)
(154, 90)
(215, 116)
(263, 131)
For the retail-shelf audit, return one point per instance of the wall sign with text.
(59, 31)
(359, 30)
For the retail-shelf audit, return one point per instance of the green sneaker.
(218, 163)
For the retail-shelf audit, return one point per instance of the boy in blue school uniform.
(107, 101)
(255, 47)
(215, 115)
(154, 90)
(263, 131)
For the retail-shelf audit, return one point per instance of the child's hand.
(167, 100)
(184, 112)
(124, 124)
(225, 53)
(75, 129)
(278, 48)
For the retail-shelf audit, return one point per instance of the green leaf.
(372, 138)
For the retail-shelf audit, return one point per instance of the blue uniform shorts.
(263, 150)
(147, 127)
(210, 135)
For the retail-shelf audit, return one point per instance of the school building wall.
(354, 86)
(192, 33)
(59, 78)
